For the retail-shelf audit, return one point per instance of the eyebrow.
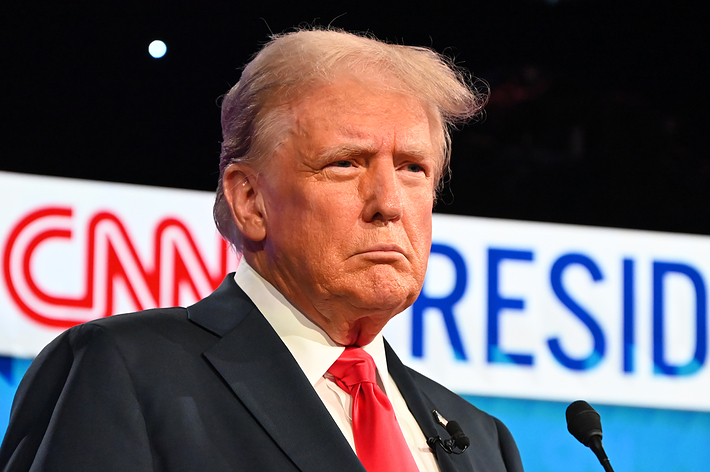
(348, 150)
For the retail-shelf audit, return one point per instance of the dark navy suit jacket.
(206, 388)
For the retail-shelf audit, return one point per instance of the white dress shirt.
(315, 352)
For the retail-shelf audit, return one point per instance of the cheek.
(420, 233)
(422, 247)
(334, 210)
(314, 224)
(420, 212)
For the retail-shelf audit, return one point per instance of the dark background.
(598, 113)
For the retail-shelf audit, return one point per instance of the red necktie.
(379, 442)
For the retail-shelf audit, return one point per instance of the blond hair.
(253, 121)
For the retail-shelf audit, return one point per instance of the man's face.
(347, 203)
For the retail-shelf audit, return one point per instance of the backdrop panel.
(521, 318)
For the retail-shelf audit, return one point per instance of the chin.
(391, 287)
(388, 297)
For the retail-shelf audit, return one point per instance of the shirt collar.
(312, 348)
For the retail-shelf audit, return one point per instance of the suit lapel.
(421, 408)
(266, 378)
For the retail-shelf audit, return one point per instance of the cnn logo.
(176, 269)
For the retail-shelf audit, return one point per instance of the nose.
(381, 192)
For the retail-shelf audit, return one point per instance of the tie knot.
(353, 367)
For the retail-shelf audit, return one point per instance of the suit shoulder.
(139, 318)
(124, 323)
(142, 331)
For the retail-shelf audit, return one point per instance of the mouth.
(383, 252)
(384, 247)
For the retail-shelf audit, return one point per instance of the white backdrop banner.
(562, 312)
(75, 250)
(516, 309)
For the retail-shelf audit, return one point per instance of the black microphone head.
(583, 422)
(460, 439)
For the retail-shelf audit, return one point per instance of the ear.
(242, 195)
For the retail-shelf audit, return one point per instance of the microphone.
(585, 424)
(458, 439)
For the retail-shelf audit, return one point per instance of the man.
(334, 145)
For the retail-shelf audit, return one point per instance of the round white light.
(157, 49)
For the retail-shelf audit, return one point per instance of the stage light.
(157, 49)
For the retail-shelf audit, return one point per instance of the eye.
(415, 168)
(342, 164)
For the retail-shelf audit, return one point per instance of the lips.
(384, 247)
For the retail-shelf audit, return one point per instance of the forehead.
(371, 109)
